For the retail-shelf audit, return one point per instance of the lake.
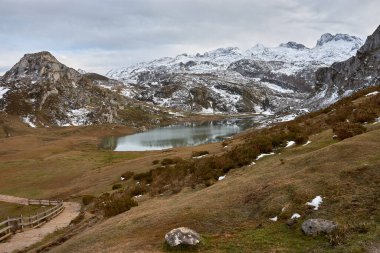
(186, 134)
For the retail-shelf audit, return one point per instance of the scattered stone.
(182, 235)
(317, 226)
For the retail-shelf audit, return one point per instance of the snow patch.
(377, 120)
(316, 202)
(276, 87)
(372, 93)
(287, 118)
(307, 143)
(295, 216)
(207, 111)
(28, 120)
(262, 155)
(78, 117)
(3, 90)
(274, 219)
(197, 157)
(289, 144)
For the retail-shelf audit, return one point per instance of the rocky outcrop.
(343, 78)
(294, 45)
(328, 37)
(317, 226)
(182, 236)
(45, 92)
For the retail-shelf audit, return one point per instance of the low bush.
(116, 186)
(345, 130)
(156, 162)
(301, 139)
(114, 204)
(138, 189)
(362, 115)
(170, 161)
(263, 143)
(145, 177)
(199, 153)
(87, 199)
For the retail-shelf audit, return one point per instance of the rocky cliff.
(343, 78)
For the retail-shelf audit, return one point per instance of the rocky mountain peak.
(293, 45)
(41, 66)
(328, 37)
(224, 51)
(372, 43)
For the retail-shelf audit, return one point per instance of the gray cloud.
(97, 35)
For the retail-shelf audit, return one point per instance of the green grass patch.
(269, 238)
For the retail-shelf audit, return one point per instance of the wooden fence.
(13, 225)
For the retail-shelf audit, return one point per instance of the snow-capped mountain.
(233, 80)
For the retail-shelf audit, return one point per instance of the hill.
(232, 215)
(44, 92)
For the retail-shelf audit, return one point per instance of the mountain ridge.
(241, 79)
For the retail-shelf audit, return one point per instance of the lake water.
(187, 134)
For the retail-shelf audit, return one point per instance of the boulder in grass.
(182, 236)
(317, 226)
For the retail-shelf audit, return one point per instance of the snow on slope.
(233, 80)
(327, 51)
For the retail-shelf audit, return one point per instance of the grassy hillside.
(232, 215)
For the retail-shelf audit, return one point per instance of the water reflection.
(187, 134)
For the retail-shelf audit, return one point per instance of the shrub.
(138, 189)
(127, 175)
(345, 130)
(170, 161)
(116, 204)
(362, 115)
(278, 139)
(145, 176)
(199, 153)
(301, 139)
(339, 115)
(87, 199)
(116, 186)
(263, 143)
(155, 162)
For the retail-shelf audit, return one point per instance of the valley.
(236, 145)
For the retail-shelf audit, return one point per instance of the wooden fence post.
(22, 223)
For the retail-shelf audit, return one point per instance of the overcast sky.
(97, 35)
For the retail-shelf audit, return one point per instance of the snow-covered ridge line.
(329, 49)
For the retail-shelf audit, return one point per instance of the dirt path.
(14, 200)
(25, 239)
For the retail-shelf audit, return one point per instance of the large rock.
(318, 226)
(182, 235)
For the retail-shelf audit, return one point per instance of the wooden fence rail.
(13, 225)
